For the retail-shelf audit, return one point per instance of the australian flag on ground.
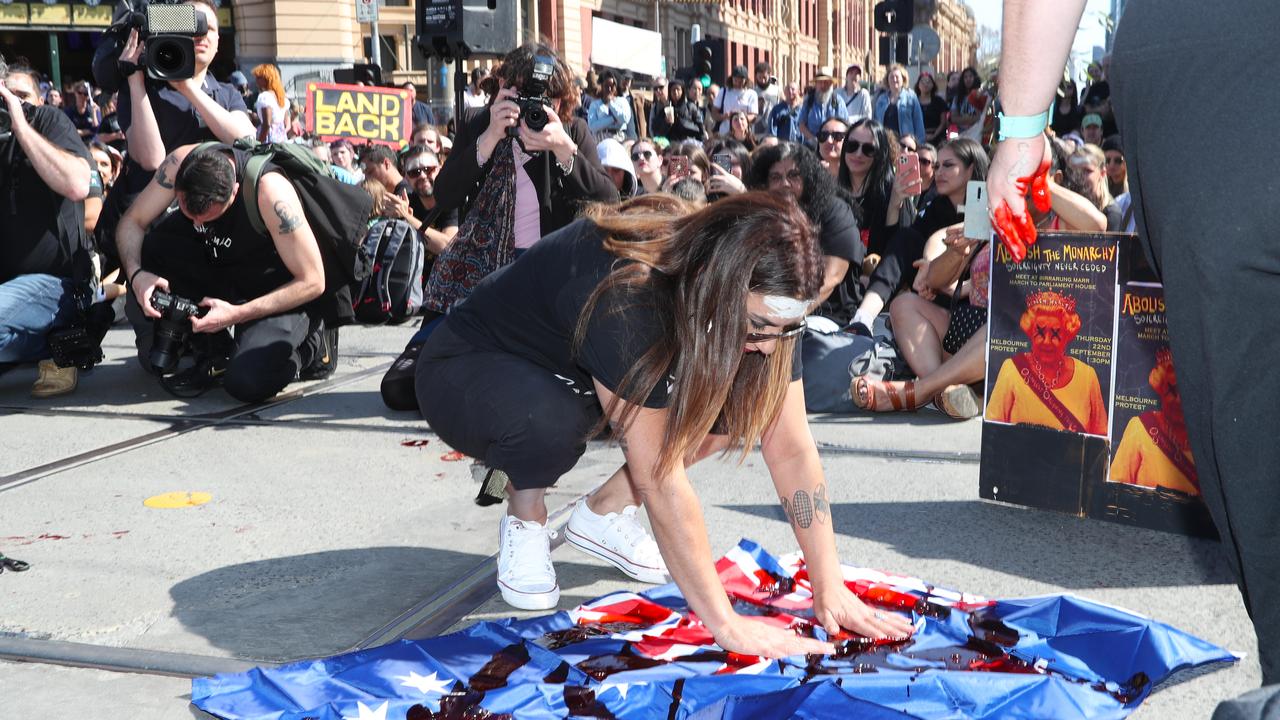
(646, 656)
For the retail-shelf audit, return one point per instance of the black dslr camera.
(173, 329)
(533, 94)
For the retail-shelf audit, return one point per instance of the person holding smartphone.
(586, 332)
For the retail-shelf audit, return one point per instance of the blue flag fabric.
(643, 656)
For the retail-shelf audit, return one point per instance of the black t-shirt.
(530, 308)
(839, 237)
(1115, 218)
(447, 218)
(891, 118)
(938, 214)
(40, 231)
(226, 258)
(177, 120)
(82, 120)
(932, 114)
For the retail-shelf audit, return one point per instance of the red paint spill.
(454, 456)
(415, 443)
(24, 540)
(439, 475)
(120, 533)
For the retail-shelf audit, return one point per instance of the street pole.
(375, 44)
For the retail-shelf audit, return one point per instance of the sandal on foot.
(959, 402)
(864, 388)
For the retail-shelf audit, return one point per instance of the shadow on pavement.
(303, 606)
(1049, 547)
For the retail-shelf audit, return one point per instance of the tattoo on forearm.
(289, 220)
(162, 173)
(802, 509)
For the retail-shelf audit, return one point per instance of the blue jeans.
(31, 306)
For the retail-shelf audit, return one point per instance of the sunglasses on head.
(421, 170)
(853, 146)
(790, 331)
(829, 136)
(646, 154)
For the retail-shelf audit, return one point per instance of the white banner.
(626, 48)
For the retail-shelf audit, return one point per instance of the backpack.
(337, 213)
(392, 293)
(833, 357)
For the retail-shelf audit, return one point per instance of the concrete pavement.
(325, 528)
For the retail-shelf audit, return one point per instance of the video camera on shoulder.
(533, 94)
(173, 328)
(168, 32)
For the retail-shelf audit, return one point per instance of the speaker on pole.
(461, 28)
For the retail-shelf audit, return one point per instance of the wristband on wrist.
(134, 275)
(1022, 126)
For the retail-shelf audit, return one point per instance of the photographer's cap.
(740, 71)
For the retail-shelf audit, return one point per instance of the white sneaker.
(525, 575)
(618, 539)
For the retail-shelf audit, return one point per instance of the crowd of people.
(584, 275)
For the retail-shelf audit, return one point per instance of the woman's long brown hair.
(693, 271)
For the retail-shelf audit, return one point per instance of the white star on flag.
(622, 688)
(425, 684)
(369, 714)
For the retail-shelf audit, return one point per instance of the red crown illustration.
(1048, 298)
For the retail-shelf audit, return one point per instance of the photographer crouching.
(44, 179)
(204, 270)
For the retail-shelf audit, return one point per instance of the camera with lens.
(170, 33)
(173, 328)
(533, 93)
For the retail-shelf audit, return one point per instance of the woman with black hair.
(1067, 113)
(521, 191)
(796, 170)
(969, 101)
(679, 331)
(867, 173)
(686, 122)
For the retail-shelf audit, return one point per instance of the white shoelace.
(520, 539)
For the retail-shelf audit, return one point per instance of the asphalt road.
(333, 523)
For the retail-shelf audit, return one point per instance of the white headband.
(786, 308)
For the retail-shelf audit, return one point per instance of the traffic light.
(899, 54)
(894, 16)
(702, 62)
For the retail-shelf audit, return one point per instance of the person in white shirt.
(737, 97)
(857, 101)
(472, 95)
(768, 94)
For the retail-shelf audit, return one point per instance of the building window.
(390, 57)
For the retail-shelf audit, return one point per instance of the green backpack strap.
(249, 183)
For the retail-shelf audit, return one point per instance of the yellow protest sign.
(359, 112)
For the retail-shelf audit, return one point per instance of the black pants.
(1206, 203)
(508, 412)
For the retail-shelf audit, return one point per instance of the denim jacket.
(910, 116)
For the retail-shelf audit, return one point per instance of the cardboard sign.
(360, 113)
(1082, 414)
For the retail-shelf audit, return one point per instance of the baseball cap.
(238, 79)
(1091, 119)
(740, 71)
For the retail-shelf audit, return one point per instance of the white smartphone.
(977, 221)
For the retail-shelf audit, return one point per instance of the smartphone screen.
(909, 172)
(678, 166)
(725, 161)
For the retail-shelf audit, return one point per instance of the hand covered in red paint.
(1019, 171)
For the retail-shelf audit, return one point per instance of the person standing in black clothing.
(1219, 294)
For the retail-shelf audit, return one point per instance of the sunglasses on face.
(790, 331)
(422, 170)
(853, 146)
(645, 154)
(925, 162)
(791, 177)
(827, 136)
